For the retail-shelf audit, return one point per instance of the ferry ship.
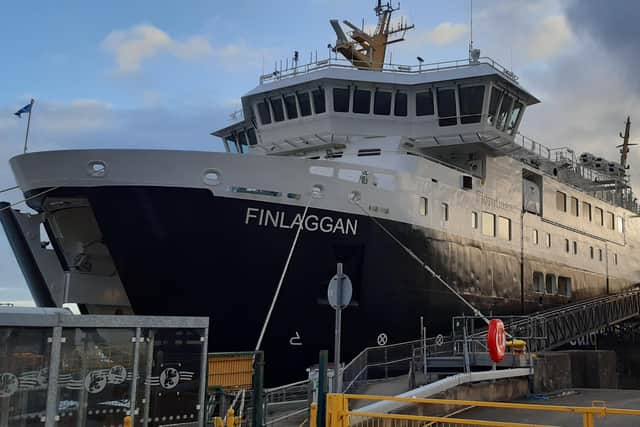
(384, 168)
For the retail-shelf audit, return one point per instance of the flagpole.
(26, 137)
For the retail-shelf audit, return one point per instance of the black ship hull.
(187, 252)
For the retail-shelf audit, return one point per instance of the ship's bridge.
(326, 103)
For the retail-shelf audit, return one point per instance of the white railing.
(336, 62)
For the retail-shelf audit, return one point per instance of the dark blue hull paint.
(188, 252)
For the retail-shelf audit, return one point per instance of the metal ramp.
(559, 326)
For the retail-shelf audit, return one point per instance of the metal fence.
(61, 369)
(340, 413)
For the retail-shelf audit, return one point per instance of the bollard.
(231, 419)
(313, 415)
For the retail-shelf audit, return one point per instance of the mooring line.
(423, 264)
(284, 273)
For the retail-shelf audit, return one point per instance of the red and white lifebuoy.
(496, 340)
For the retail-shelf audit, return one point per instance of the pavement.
(624, 399)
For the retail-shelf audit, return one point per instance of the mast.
(624, 147)
(368, 50)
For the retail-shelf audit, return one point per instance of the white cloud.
(550, 39)
(446, 33)
(132, 46)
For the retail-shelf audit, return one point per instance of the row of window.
(549, 284)
(237, 142)
(299, 104)
(571, 246)
(454, 105)
(493, 225)
(597, 215)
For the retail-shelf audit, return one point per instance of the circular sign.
(340, 287)
(8, 384)
(496, 340)
(439, 340)
(382, 339)
(169, 378)
(95, 381)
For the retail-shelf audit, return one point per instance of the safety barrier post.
(322, 388)
(231, 418)
(588, 420)
(313, 415)
(258, 390)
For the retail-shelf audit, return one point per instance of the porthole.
(97, 168)
(211, 177)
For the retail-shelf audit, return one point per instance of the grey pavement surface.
(625, 399)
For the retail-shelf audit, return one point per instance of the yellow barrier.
(230, 371)
(339, 414)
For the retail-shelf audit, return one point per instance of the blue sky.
(165, 73)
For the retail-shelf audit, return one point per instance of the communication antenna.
(624, 147)
(474, 54)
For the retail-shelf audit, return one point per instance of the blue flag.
(25, 109)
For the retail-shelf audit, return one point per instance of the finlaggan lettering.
(279, 219)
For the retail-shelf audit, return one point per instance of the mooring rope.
(423, 264)
(29, 198)
(284, 273)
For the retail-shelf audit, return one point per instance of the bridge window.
(548, 239)
(496, 96)
(505, 108)
(574, 206)
(305, 103)
(319, 104)
(474, 220)
(551, 285)
(447, 107)
(277, 108)
(575, 247)
(445, 211)
(615, 259)
(424, 206)
(471, 103)
(564, 286)
(400, 105)
(242, 141)
(488, 224)
(340, 100)
(382, 103)
(567, 245)
(610, 222)
(263, 112)
(619, 224)
(538, 282)
(561, 201)
(534, 236)
(291, 107)
(599, 217)
(586, 211)
(504, 228)
(600, 254)
(424, 103)
(515, 116)
(361, 101)
(231, 145)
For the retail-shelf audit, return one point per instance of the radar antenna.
(368, 50)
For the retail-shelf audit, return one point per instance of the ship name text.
(279, 219)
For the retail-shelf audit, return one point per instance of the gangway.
(559, 326)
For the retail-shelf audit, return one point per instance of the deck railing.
(335, 62)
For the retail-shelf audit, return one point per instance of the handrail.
(339, 413)
(335, 62)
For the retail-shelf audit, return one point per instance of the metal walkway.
(557, 327)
